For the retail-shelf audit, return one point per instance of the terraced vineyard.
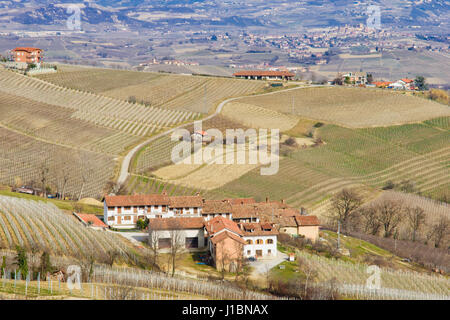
(176, 92)
(158, 153)
(352, 107)
(65, 130)
(364, 157)
(351, 279)
(55, 124)
(31, 223)
(107, 112)
(24, 157)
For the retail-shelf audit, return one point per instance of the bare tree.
(344, 205)
(62, 173)
(416, 218)
(112, 256)
(177, 237)
(153, 240)
(43, 176)
(369, 219)
(440, 231)
(390, 215)
(310, 273)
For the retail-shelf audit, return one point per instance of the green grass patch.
(61, 204)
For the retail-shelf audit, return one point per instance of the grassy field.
(351, 107)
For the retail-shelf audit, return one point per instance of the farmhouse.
(307, 226)
(260, 239)
(225, 243)
(27, 55)
(357, 78)
(215, 208)
(264, 75)
(124, 211)
(185, 233)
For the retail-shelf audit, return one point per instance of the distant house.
(187, 233)
(356, 78)
(28, 55)
(200, 136)
(382, 84)
(264, 75)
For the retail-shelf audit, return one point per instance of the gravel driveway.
(261, 265)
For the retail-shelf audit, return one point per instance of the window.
(127, 218)
(191, 242)
(269, 241)
(249, 241)
(127, 208)
(269, 252)
(164, 243)
(248, 252)
(259, 241)
(111, 218)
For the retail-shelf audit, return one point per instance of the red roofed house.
(124, 211)
(307, 226)
(91, 220)
(225, 243)
(27, 55)
(264, 75)
(260, 239)
(186, 233)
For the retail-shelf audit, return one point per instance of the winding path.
(126, 163)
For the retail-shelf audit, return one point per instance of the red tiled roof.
(307, 221)
(137, 200)
(185, 201)
(264, 73)
(92, 218)
(222, 236)
(241, 200)
(406, 80)
(258, 229)
(244, 211)
(27, 49)
(175, 223)
(219, 223)
(216, 206)
(287, 222)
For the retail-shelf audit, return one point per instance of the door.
(191, 242)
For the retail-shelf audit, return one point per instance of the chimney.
(282, 201)
(197, 194)
(164, 193)
(267, 199)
